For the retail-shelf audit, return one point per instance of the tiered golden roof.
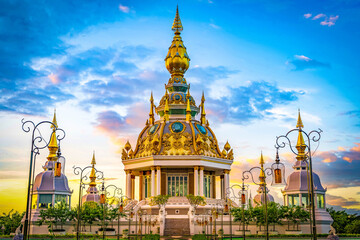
(177, 132)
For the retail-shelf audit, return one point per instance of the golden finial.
(54, 121)
(188, 110)
(299, 123)
(262, 159)
(151, 114)
(224, 153)
(227, 146)
(92, 174)
(262, 173)
(203, 114)
(300, 145)
(93, 162)
(177, 26)
(127, 145)
(166, 108)
(177, 59)
(53, 147)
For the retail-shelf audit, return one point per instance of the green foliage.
(10, 221)
(90, 213)
(344, 222)
(196, 200)
(159, 200)
(199, 237)
(55, 216)
(152, 237)
(295, 215)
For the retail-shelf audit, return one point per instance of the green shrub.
(199, 237)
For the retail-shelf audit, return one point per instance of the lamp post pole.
(108, 195)
(263, 172)
(80, 171)
(313, 136)
(37, 143)
(241, 195)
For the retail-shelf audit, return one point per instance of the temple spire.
(188, 110)
(203, 114)
(53, 145)
(177, 26)
(166, 108)
(92, 174)
(300, 145)
(54, 121)
(299, 123)
(262, 173)
(151, 114)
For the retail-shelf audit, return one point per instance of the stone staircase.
(177, 227)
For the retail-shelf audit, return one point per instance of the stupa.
(177, 154)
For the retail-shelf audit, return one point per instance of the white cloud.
(214, 26)
(124, 9)
(307, 15)
(320, 15)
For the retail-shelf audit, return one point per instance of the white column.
(152, 181)
(128, 183)
(226, 180)
(158, 186)
(201, 181)
(196, 181)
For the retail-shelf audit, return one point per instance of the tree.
(295, 215)
(353, 227)
(275, 214)
(159, 200)
(195, 201)
(10, 221)
(90, 213)
(55, 216)
(342, 220)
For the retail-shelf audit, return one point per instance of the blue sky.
(257, 61)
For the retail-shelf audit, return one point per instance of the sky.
(257, 61)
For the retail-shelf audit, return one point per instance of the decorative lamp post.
(95, 174)
(37, 143)
(303, 154)
(105, 194)
(241, 195)
(262, 184)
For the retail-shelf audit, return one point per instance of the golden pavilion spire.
(300, 145)
(177, 26)
(92, 174)
(177, 59)
(53, 145)
(151, 114)
(203, 114)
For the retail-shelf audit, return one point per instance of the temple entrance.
(177, 184)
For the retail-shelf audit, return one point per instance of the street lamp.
(105, 194)
(262, 184)
(241, 195)
(303, 153)
(37, 143)
(80, 171)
